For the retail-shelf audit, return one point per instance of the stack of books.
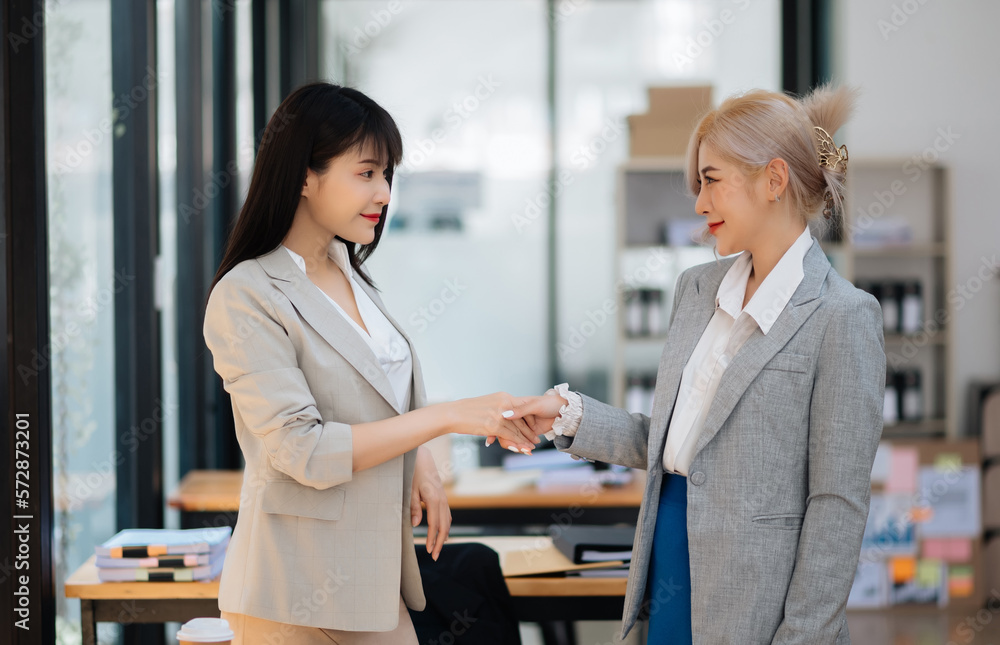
(163, 555)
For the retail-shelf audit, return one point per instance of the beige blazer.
(316, 544)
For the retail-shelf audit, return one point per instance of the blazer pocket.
(789, 362)
(786, 521)
(292, 498)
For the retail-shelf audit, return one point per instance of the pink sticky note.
(954, 550)
(960, 550)
(903, 464)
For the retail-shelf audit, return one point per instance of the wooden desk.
(212, 498)
(536, 599)
(137, 602)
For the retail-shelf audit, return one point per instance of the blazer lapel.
(692, 317)
(315, 310)
(418, 396)
(761, 348)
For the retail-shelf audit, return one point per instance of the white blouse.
(382, 337)
(727, 331)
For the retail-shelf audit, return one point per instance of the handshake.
(517, 423)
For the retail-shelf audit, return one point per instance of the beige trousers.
(248, 630)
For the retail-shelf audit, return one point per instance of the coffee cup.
(205, 631)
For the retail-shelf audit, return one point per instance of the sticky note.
(954, 550)
(902, 570)
(903, 465)
(948, 461)
(960, 582)
(929, 573)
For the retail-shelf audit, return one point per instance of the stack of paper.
(163, 555)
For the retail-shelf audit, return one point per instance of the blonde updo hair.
(749, 130)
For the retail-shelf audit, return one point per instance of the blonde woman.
(768, 405)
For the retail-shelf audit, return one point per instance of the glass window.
(83, 283)
(462, 265)
(609, 53)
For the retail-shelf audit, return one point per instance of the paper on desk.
(494, 481)
(531, 555)
(605, 556)
(583, 476)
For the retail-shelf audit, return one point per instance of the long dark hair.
(316, 123)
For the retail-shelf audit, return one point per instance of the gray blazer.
(316, 544)
(779, 486)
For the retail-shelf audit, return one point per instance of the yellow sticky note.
(929, 574)
(903, 569)
(949, 461)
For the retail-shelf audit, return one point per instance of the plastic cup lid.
(205, 630)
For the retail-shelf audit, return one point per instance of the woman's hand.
(429, 491)
(492, 416)
(538, 412)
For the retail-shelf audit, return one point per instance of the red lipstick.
(374, 217)
(712, 227)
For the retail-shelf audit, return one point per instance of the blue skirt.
(669, 581)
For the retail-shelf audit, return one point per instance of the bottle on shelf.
(635, 395)
(890, 410)
(912, 399)
(633, 312)
(911, 308)
(654, 311)
(889, 301)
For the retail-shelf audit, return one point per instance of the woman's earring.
(777, 198)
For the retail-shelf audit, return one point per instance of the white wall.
(925, 66)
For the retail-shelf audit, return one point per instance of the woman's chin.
(361, 237)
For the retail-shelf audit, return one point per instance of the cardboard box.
(680, 103)
(651, 137)
(664, 131)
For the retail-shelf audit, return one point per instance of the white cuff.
(568, 421)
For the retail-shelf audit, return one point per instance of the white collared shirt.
(727, 331)
(382, 337)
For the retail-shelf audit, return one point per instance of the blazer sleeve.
(610, 434)
(845, 425)
(259, 369)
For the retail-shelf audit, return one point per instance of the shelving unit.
(895, 188)
(651, 193)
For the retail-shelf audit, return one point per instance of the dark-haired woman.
(327, 394)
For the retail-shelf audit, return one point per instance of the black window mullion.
(805, 44)
(138, 398)
(194, 387)
(224, 450)
(25, 395)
